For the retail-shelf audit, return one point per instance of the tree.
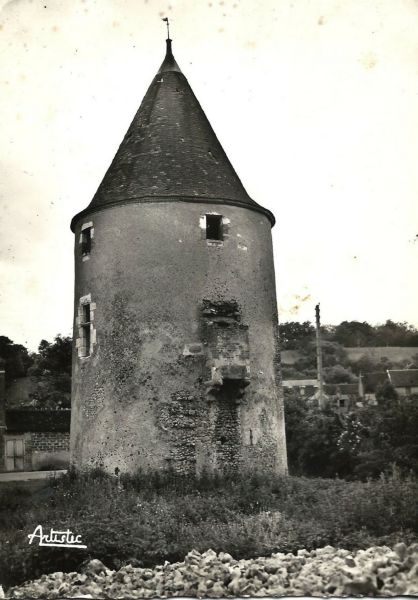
(333, 354)
(389, 435)
(295, 409)
(413, 363)
(319, 453)
(396, 334)
(16, 358)
(359, 445)
(54, 357)
(294, 334)
(338, 374)
(52, 369)
(354, 333)
(312, 439)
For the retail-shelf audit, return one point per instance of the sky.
(314, 101)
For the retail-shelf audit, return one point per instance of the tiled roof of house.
(170, 153)
(300, 382)
(341, 388)
(403, 377)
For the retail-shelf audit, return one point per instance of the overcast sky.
(315, 102)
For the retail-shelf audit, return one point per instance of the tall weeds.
(149, 518)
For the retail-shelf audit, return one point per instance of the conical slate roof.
(170, 153)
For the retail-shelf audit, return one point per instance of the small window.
(214, 227)
(86, 313)
(86, 240)
(85, 330)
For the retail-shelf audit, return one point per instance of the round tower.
(176, 360)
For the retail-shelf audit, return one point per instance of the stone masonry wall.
(46, 441)
(49, 450)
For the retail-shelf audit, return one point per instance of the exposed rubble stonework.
(176, 361)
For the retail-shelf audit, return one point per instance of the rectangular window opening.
(86, 313)
(86, 241)
(214, 227)
(86, 340)
(85, 330)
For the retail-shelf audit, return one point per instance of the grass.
(147, 519)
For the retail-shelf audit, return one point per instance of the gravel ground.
(377, 571)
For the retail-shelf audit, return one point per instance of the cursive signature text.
(58, 539)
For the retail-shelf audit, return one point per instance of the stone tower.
(176, 359)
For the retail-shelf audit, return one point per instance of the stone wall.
(50, 441)
(50, 449)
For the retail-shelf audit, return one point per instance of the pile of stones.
(377, 571)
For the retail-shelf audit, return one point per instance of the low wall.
(50, 460)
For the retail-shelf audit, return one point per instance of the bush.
(13, 497)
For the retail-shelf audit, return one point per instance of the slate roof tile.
(170, 123)
(403, 377)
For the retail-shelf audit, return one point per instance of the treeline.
(56, 356)
(293, 335)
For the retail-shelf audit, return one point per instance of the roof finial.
(168, 27)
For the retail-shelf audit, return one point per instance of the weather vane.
(168, 27)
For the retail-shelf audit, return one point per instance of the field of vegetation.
(147, 519)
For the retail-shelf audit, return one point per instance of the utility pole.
(321, 400)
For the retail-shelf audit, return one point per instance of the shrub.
(14, 497)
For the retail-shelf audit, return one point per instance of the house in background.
(304, 387)
(404, 381)
(345, 396)
(342, 396)
(32, 439)
(349, 396)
